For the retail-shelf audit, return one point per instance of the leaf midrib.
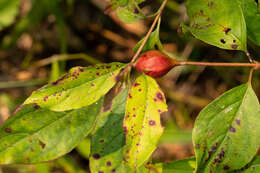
(37, 131)
(71, 88)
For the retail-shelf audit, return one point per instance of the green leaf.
(117, 3)
(128, 15)
(70, 165)
(123, 3)
(8, 11)
(37, 135)
(80, 87)
(180, 166)
(153, 41)
(226, 133)
(108, 138)
(253, 167)
(142, 123)
(218, 22)
(252, 17)
(84, 148)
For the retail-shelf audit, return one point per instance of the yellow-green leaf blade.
(38, 135)
(108, 139)
(80, 87)
(142, 123)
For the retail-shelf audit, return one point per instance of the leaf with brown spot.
(45, 135)
(218, 22)
(227, 131)
(142, 120)
(252, 167)
(81, 87)
(108, 139)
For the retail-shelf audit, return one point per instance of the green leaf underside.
(80, 87)
(252, 17)
(226, 133)
(218, 22)
(108, 141)
(180, 166)
(142, 123)
(108, 138)
(37, 135)
(84, 148)
(8, 11)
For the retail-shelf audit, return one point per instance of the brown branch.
(150, 31)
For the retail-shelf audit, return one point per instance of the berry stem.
(222, 64)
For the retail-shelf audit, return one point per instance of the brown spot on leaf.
(59, 80)
(8, 130)
(81, 69)
(97, 73)
(36, 106)
(210, 4)
(130, 96)
(136, 84)
(42, 144)
(113, 170)
(96, 156)
(109, 163)
(226, 167)
(232, 129)
(45, 98)
(197, 146)
(226, 30)
(100, 171)
(212, 150)
(159, 96)
(223, 41)
(234, 46)
(238, 121)
(101, 141)
(152, 122)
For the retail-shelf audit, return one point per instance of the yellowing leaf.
(142, 123)
(80, 87)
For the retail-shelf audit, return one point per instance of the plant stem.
(150, 31)
(223, 64)
(251, 75)
(250, 58)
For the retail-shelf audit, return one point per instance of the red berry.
(154, 63)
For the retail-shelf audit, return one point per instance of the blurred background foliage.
(41, 39)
